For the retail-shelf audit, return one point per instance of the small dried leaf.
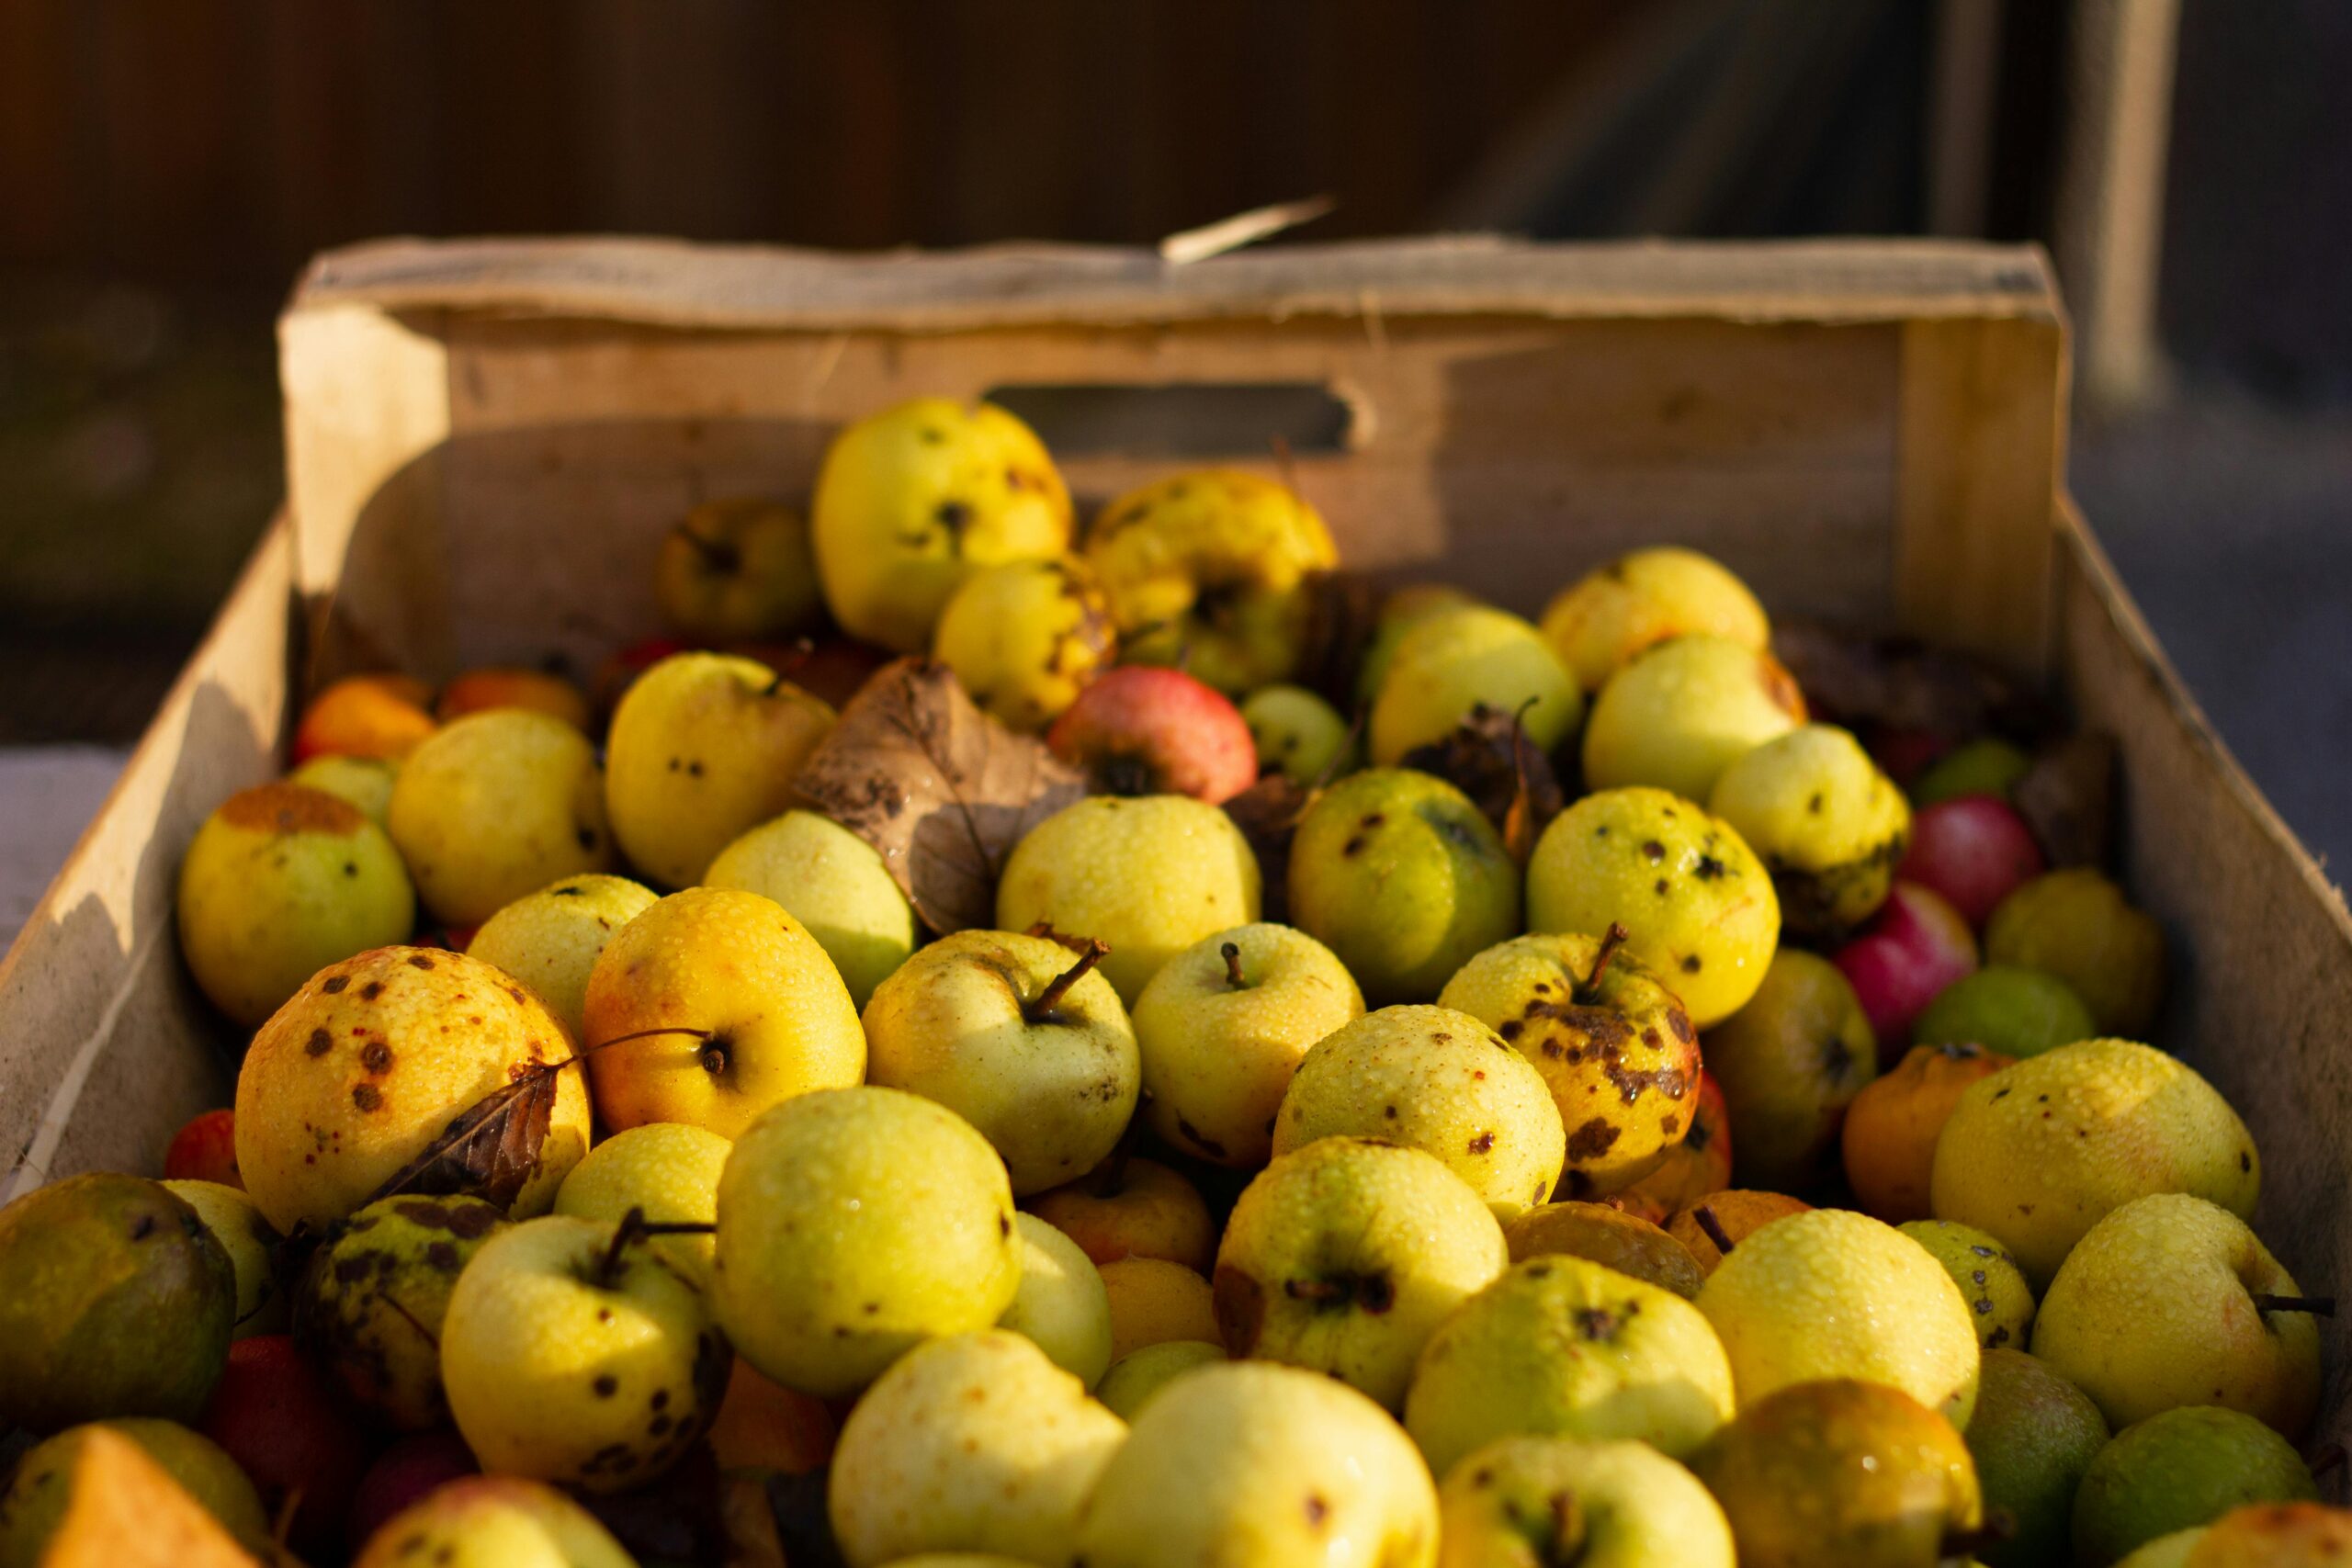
(1899, 683)
(941, 790)
(1268, 813)
(492, 1151)
(1489, 758)
(2067, 798)
(1343, 612)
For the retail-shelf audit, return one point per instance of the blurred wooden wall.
(228, 139)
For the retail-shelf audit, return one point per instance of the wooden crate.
(485, 439)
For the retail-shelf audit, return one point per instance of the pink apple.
(1915, 946)
(403, 1473)
(1975, 850)
(1146, 730)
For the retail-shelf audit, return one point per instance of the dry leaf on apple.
(1489, 758)
(939, 789)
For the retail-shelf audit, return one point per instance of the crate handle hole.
(1197, 421)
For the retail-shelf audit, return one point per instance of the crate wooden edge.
(674, 284)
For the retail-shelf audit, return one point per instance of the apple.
(367, 1065)
(550, 940)
(205, 1149)
(1916, 946)
(711, 1007)
(667, 1169)
(1019, 1036)
(1208, 569)
(1299, 735)
(496, 806)
(737, 567)
(1224, 1025)
(276, 1415)
(366, 782)
(1026, 636)
(1133, 1208)
(507, 686)
(702, 750)
(834, 884)
(365, 716)
(1142, 729)
(572, 1352)
(1975, 850)
(493, 1521)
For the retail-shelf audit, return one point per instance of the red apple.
(1904, 751)
(1975, 850)
(1146, 730)
(275, 1416)
(402, 1474)
(1915, 946)
(205, 1150)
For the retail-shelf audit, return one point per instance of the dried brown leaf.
(1871, 683)
(1268, 813)
(491, 1151)
(1489, 758)
(2067, 798)
(1343, 612)
(941, 790)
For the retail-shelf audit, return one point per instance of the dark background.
(167, 165)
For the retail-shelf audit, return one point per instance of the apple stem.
(1042, 1009)
(716, 554)
(1704, 1218)
(2318, 1306)
(1616, 938)
(2000, 1526)
(1232, 951)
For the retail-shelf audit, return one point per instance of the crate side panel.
(1509, 453)
(2259, 989)
(108, 1048)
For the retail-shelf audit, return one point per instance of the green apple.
(2013, 1011)
(1789, 1062)
(1533, 1502)
(1025, 637)
(2172, 1301)
(834, 884)
(702, 750)
(1989, 1278)
(976, 1442)
(1828, 825)
(1829, 1294)
(1250, 1465)
(1449, 666)
(914, 499)
(1346, 1255)
(115, 1300)
(1437, 1080)
(1299, 734)
(493, 1521)
(1563, 1347)
(495, 805)
(853, 1225)
(1061, 1304)
(365, 782)
(572, 1353)
(1223, 1026)
(1697, 902)
(1403, 877)
(1644, 598)
(1018, 1036)
(550, 940)
(280, 881)
(1400, 611)
(1988, 766)
(2040, 1151)
(2032, 1435)
(371, 1306)
(668, 1169)
(1139, 1377)
(1677, 715)
(252, 1245)
(711, 1007)
(738, 569)
(1208, 569)
(2175, 1471)
(1148, 875)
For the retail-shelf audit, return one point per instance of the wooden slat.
(1982, 445)
(666, 283)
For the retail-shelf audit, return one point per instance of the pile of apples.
(1738, 1155)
